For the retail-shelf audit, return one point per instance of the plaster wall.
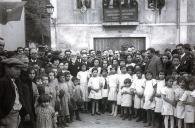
(76, 30)
(13, 32)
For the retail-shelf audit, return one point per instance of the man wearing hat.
(11, 96)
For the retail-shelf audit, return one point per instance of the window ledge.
(120, 24)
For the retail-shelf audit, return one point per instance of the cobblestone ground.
(104, 121)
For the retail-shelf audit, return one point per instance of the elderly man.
(154, 64)
(11, 96)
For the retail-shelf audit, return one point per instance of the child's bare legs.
(93, 107)
(172, 121)
(113, 108)
(97, 107)
(179, 123)
(115, 111)
(166, 120)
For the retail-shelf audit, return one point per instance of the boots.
(125, 116)
(140, 115)
(77, 115)
(61, 122)
(130, 117)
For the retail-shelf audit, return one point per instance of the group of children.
(122, 90)
(147, 98)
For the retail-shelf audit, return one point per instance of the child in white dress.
(83, 76)
(95, 85)
(126, 97)
(112, 88)
(121, 77)
(189, 102)
(180, 107)
(158, 99)
(104, 103)
(149, 92)
(168, 103)
(138, 86)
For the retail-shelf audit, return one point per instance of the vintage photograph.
(97, 64)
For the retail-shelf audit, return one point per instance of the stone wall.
(76, 30)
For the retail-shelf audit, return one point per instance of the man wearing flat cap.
(11, 96)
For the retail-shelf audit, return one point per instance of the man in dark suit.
(74, 65)
(11, 94)
(34, 58)
(175, 65)
(84, 60)
(185, 58)
(154, 64)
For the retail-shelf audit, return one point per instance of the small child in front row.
(180, 107)
(126, 98)
(121, 77)
(77, 97)
(95, 85)
(46, 116)
(112, 88)
(149, 93)
(189, 102)
(168, 103)
(158, 99)
(138, 86)
(83, 76)
(104, 103)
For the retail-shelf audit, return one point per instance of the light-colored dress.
(148, 93)
(83, 77)
(158, 100)
(64, 100)
(126, 99)
(104, 90)
(193, 94)
(167, 108)
(112, 82)
(189, 116)
(52, 91)
(138, 86)
(95, 83)
(180, 107)
(121, 78)
(45, 117)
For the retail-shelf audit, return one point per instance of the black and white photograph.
(97, 63)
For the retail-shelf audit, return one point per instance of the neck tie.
(105, 85)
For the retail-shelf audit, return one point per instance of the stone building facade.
(77, 30)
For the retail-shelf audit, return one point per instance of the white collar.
(183, 55)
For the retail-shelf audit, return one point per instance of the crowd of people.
(41, 88)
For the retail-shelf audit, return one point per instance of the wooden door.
(115, 43)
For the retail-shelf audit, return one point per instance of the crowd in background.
(43, 88)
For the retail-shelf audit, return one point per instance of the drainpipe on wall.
(178, 22)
